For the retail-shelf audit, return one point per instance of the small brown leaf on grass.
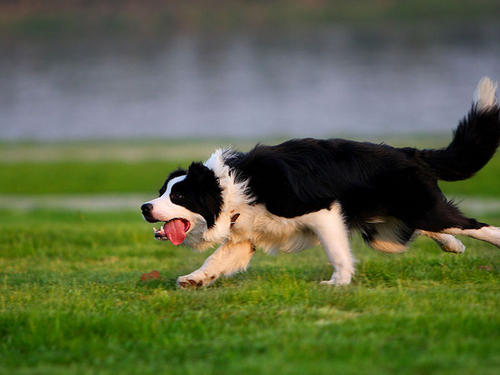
(485, 268)
(153, 275)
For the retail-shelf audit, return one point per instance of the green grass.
(486, 183)
(146, 176)
(84, 177)
(71, 302)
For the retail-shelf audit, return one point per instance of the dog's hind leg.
(228, 259)
(387, 234)
(486, 233)
(333, 234)
(446, 242)
(447, 218)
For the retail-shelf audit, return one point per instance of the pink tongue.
(175, 231)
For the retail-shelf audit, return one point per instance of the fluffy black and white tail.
(475, 140)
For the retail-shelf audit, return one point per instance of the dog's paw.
(196, 279)
(184, 282)
(337, 280)
(455, 246)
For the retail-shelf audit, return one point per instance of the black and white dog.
(307, 191)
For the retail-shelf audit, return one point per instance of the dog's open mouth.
(173, 230)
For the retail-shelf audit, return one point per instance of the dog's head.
(189, 203)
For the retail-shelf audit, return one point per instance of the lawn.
(141, 168)
(71, 299)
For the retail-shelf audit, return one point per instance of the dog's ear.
(201, 174)
(208, 191)
(178, 172)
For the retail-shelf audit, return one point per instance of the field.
(71, 299)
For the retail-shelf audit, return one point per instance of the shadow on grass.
(163, 283)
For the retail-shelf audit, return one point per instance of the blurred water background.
(257, 79)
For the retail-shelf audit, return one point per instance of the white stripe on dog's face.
(170, 184)
(165, 210)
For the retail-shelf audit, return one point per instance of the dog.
(305, 192)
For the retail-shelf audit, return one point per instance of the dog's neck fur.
(234, 196)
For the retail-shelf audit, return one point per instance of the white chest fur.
(273, 233)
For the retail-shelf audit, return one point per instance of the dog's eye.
(176, 196)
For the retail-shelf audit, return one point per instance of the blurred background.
(241, 69)
(115, 94)
(101, 99)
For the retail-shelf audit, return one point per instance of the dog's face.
(189, 204)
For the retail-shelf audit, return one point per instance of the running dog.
(302, 192)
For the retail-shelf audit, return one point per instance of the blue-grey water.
(325, 82)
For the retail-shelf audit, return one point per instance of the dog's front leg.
(228, 259)
(333, 234)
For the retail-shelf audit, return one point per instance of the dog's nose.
(146, 208)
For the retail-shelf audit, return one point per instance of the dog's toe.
(326, 282)
(183, 282)
(190, 281)
(334, 282)
(338, 279)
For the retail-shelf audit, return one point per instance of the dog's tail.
(475, 139)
